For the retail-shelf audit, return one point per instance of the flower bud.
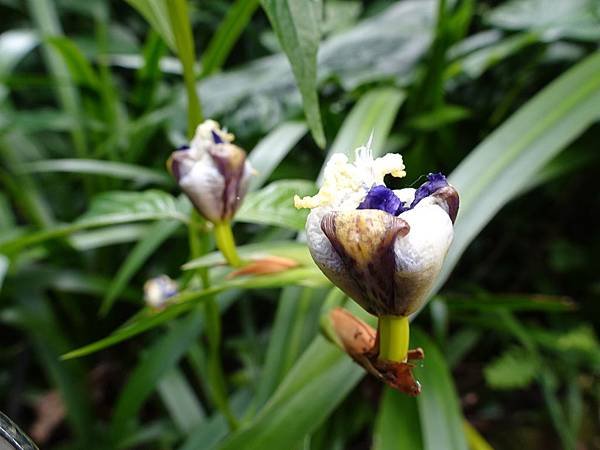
(213, 172)
(158, 291)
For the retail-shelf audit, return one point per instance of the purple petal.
(183, 147)
(216, 138)
(382, 198)
(434, 182)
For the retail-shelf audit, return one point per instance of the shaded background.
(87, 83)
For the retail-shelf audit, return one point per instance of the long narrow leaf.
(296, 24)
(439, 409)
(223, 40)
(98, 167)
(269, 152)
(510, 157)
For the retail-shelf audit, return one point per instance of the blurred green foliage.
(502, 95)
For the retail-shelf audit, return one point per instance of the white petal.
(406, 195)
(427, 243)
(319, 245)
(204, 184)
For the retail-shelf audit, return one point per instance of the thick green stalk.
(226, 243)
(393, 338)
(216, 377)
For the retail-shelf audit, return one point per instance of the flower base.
(359, 340)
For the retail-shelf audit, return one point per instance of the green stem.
(393, 338)
(180, 23)
(226, 243)
(212, 314)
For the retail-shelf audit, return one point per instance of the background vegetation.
(94, 96)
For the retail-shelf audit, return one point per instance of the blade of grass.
(155, 12)
(296, 24)
(375, 113)
(397, 426)
(45, 17)
(509, 158)
(288, 417)
(218, 49)
(159, 358)
(269, 152)
(180, 24)
(439, 409)
(112, 169)
(180, 400)
(146, 320)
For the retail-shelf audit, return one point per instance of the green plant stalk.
(179, 17)
(393, 338)
(226, 243)
(213, 329)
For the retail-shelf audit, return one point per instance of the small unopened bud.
(361, 342)
(213, 172)
(158, 291)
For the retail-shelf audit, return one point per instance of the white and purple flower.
(382, 247)
(213, 172)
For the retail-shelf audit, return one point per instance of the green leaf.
(574, 19)
(514, 369)
(216, 428)
(182, 32)
(439, 408)
(102, 237)
(155, 12)
(294, 327)
(397, 426)
(111, 169)
(111, 208)
(269, 152)
(126, 206)
(135, 259)
(158, 360)
(294, 250)
(184, 301)
(510, 157)
(375, 113)
(80, 68)
(274, 204)
(223, 40)
(323, 375)
(475, 440)
(45, 17)
(486, 301)
(444, 115)
(296, 24)
(477, 62)
(181, 401)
